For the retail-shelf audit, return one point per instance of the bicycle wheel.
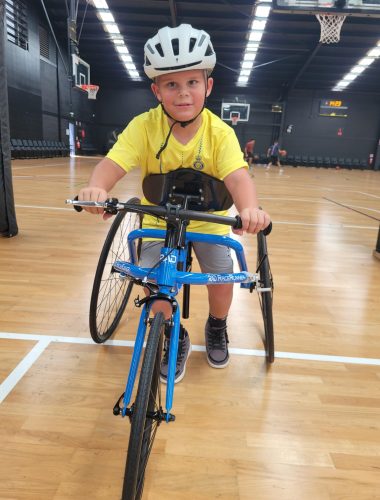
(266, 298)
(110, 294)
(147, 403)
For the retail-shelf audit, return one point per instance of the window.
(16, 23)
(44, 42)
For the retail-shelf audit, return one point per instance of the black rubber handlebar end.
(77, 208)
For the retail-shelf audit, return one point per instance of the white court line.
(332, 226)
(46, 165)
(44, 208)
(16, 375)
(368, 194)
(233, 350)
(45, 340)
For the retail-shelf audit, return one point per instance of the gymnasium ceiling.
(290, 56)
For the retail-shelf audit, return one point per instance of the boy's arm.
(104, 176)
(243, 191)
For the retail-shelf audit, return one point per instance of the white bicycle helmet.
(178, 49)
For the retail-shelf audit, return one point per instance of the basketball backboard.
(81, 71)
(230, 110)
(358, 8)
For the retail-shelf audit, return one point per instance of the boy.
(181, 133)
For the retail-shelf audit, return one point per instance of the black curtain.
(8, 223)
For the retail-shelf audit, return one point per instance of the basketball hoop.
(234, 115)
(234, 120)
(331, 25)
(91, 90)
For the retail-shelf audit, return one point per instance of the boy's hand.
(253, 220)
(94, 194)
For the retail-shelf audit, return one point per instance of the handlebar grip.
(77, 208)
(268, 229)
(238, 224)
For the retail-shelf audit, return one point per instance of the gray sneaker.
(184, 350)
(216, 346)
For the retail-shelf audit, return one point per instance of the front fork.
(125, 409)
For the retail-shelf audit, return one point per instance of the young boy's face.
(182, 94)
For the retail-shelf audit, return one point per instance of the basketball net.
(234, 120)
(91, 90)
(331, 25)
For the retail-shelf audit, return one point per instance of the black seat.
(341, 162)
(320, 161)
(355, 163)
(334, 161)
(327, 161)
(290, 160)
(348, 163)
(305, 160)
(363, 164)
(297, 160)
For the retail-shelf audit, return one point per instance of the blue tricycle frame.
(164, 281)
(169, 280)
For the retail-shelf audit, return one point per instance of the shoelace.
(217, 338)
(181, 350)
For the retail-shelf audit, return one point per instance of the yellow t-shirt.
(214, 150)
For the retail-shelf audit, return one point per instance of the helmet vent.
(201, 40)
(147, 62)
(159, 49)
(175, 45)
(192, 42)
(149, 47)
(209, 51)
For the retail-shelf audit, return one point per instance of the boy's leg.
(150, 254)
(216, 259)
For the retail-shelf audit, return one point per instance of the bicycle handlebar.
(112, 206)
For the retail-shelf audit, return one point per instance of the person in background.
(248, 152)
(273, 155)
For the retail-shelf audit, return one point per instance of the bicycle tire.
(266, 298)
(148, 399)
(110, 295)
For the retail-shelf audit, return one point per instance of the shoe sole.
(226, 363)
(165, 381)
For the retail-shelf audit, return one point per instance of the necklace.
(197, 163)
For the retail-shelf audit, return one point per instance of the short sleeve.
(229, 156)
(129, 148)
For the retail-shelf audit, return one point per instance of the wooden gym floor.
(307, 428)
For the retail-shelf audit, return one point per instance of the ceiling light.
(349, 77)
(126, 58)
(107, 17)
(100, 4)
(255, 36)
(111, 28)
(258, 24)
(130, 65)
(250, 56)
(262, 11)
(122, 49)
(242, 80)
(358, 69)
(374, 52)
(117, 40)
(247, 65)
(366, 61)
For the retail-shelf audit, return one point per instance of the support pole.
(8, 223)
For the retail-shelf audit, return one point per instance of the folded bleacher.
(33, 148)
